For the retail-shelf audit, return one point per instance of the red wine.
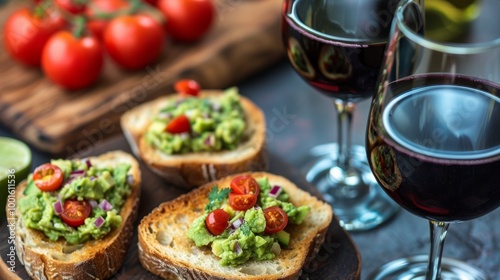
(436, 147)
(338, 46)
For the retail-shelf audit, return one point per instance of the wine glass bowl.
(433, 137)
(337, 47)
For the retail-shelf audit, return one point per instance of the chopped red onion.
(232, 231)
(237, 248)
(105, 205)
(88, 163)
(76, 174)
(275, 191)
(237, 223)
(58, 208)
(210, 140)
(93, 203)
(99, 222)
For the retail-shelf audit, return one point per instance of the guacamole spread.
(62, 213)
(212, 124)
(249, 234)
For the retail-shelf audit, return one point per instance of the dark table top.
(298, 119)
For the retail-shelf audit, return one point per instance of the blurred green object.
(15, 165)
(447, 20)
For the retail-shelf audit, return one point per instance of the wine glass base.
(360, 207)
(415, 267)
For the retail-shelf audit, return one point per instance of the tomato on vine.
(187, 20)
(73, 62)
(72, 6)
(134, 41)
(26, 33)
(100, 12)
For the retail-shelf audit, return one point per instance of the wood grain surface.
(338, 257)
(244, 40)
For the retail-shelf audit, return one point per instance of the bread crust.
(194, 169)
(165, 250)
(96, 259)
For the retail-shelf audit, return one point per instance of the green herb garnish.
(216, 197)
(245, 229)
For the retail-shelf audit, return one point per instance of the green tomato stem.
(79, 26)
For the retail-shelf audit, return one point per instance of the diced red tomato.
(75, 212)
(276, 219)
(48, 177)
(217, 221)
(179, 125)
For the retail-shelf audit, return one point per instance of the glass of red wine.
(337, 47)
(433, 136)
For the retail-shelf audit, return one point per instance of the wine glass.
(433, 136)
(337, 47)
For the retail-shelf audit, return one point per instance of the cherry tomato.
(187, 20)
(97, 26)
(245, 184)
(72, 63)
(276, 219)
(75, 212)
(178, 125)
(187, 87)
(25, 35)
(244, 192)
(48, 177)
(217, 221)
(242, 202)
(134, 41)
(72, 6)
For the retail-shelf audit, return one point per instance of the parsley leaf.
(245, 229)
(216, 197)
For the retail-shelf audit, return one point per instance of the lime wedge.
(15, 165)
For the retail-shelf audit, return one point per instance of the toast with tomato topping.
(94, 259)
(192, 169)
(165, 249)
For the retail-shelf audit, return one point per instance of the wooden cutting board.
(338, 258)
(244, 40)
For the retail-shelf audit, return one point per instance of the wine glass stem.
(438, 234)
(345, 111)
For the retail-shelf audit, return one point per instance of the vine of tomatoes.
(70, 40)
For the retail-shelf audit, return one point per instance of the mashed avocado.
(82, 182)
(215, 124)
(248, 241)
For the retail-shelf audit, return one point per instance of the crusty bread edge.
(192, 173)
(152, 261)
(105, 257)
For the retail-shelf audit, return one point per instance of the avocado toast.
(217, 156)
(166, 249)
(52, 246)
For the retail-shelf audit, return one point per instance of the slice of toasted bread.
(165, 250)
(195, 169)
(95, 259)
